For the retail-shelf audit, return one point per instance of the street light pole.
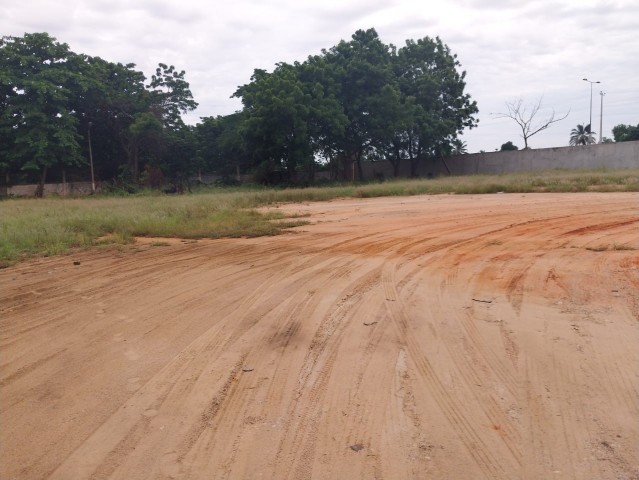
(601, 117)
(91, 159)
(590, 122)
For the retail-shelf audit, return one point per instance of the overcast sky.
(509, 48)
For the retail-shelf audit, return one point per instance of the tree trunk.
(134, 172)
(333, 163)
(444, 162)
(414, 159)
(395, 162)
(40, 190)
(360, 171)
(311, 170)
(414, 162)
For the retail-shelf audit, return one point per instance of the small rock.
(76, 262)
(247, 369)
(368, 324)
(357, 447)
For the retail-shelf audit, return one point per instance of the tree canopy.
(360, 100)
(508, 146)
(625, 133)
(51, 97)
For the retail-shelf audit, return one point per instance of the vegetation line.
(35, 227)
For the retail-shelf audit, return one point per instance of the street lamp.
(586, 80)
(601, 116)
(91, 159)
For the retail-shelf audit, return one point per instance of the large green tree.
(39, 83)
(171, 96)
(287, 118)
(361, 99)
(368, 92)
(53, 101)
(436, 108)
(115, 99)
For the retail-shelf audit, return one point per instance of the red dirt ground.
(456, 337)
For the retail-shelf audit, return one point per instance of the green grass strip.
(54, 225)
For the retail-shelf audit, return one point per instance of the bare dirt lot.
(444, 337)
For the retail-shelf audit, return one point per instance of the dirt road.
(443, 337)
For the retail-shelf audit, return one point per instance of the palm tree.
(458, 147)
(582, 136)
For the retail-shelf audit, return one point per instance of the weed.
(50, 226)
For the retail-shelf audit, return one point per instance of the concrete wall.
(75, 188)
(606, 155)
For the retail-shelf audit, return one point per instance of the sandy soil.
(443, 337)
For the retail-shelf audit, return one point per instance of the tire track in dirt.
(468, 434)
(365, 355)
(314, 374)
(300, 304)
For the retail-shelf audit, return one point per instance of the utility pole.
(91, 160)
(590, 82)
(601, 117)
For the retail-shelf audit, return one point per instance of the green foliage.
(51, 99)
(433, 100)
(509, 146)
(458, 147)
(361, 99)
(221, 145)
(582, 136)
(38, 123)
(171, 95)
(625, 133)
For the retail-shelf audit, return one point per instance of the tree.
(50, 97)
(220, 144)
(170, 96)
(433, 103)
(582, 136)
(277, 123)
(115, 96)
(179, 159)
(524, 116)
(38, 122)
(458, 147)
(509, 146)
(359, 100)
(368, 93)
(625, 133)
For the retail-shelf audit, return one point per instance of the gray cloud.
(508, 48)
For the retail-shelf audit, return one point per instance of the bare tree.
(525, 115)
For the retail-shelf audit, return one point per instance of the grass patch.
(30, 227)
